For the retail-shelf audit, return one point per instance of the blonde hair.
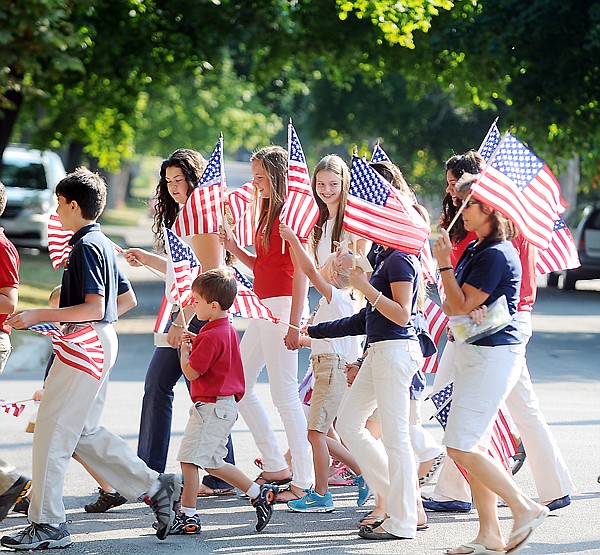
(342, 277)
(274, 159)
(54, 297)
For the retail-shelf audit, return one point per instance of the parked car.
(30, 177)
(586, 232)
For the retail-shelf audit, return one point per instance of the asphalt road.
(563, 355)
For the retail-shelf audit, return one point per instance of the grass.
(37, 278)
(129, 215)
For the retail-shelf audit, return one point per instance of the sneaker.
(38, 536)
(163, 502)
(105, 501)
(363, 490)
(264, 505)
(342, 476)
(13, 495)
(312, 502)
(183, 525)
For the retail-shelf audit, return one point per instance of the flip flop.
(371, 520)
(476, 549)
(529, 528)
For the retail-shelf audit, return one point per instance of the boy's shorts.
(328, 391)
(204, 442)
(5, 349)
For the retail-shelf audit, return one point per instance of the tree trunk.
(9, 117)
(117, 187)
(74, 156)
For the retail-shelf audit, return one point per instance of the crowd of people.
(367, 343)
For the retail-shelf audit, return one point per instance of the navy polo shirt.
(92, 270)
(494, 268)
(392, 266)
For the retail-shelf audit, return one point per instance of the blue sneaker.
(363, 490)
(312, 502)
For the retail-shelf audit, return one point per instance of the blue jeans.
(163, 373)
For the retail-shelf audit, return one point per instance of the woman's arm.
(398, 309)
(207, 248)
(299, 293)
(140, 257)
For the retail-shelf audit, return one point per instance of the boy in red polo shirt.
(213, 365)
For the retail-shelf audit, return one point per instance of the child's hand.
(351, 370)
(37, 395)
(286, 232)
(186, 338)
(228, 241)
(292, 339)
(26, 318)
(358, 279)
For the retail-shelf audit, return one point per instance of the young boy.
(213, 365)
(13, 486)
(93, 292)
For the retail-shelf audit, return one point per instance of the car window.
(25, 176)
(593, 221)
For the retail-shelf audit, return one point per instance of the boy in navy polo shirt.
(213, 365)
(93, 292)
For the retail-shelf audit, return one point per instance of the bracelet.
(446, 268)
(360, 360)
(376, 300)
(177, 325)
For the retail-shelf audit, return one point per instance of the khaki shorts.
(328, 391)
(204, 440)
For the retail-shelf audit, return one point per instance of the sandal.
(295, 496)
(283, 484)
(372, 520)
(435, 465)
(258, 462)
(219, 492)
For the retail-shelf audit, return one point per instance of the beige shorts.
(5, 349)
(204, 440)
(328, 391)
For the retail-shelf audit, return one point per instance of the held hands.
(442, 249)
(25, 319)
(351, 370)
(292, 339)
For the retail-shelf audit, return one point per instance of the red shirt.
(216, 357)
(527, 255)
(9, 270)
(459, 247)
(273, 271)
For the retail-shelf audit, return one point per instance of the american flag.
(164, 315)
(80, 349)
(300, 210)
(379, 155)
(521, 186)
(241, 205)
(14, 409)
(428, 266)
(247, 304)
(502, 443)
(58, 242)
(182, 269)
(436, 323)
(202, 212)
(561, 253)
(491, 142)
(377, 211)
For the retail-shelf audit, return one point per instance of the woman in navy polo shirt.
(485, 372)
(394, 356)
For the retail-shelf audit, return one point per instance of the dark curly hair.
(192, 164)
(469, 162)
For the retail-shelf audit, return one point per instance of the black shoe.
(105, 501)
(13, 495)
(264, 505)
(22, 506)
(368, 533)
(163, 502)
(518, 459)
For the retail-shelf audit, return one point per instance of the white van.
(30, 177)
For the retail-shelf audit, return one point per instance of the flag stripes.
(58, 241)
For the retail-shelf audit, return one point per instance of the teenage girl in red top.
(274, 346)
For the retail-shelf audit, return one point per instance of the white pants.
(551, 476)
(67, 422)
(388, 465)
(424, 444)
(262, 345)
